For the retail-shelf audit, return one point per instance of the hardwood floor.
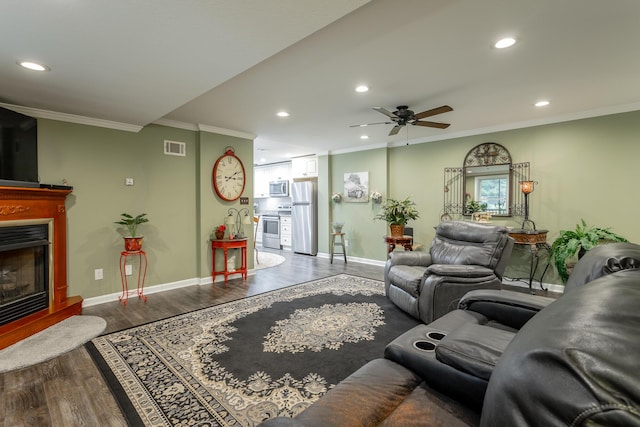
(70, 391)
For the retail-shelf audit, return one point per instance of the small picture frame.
(356, 187)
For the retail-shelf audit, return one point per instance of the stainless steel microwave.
(279, 188)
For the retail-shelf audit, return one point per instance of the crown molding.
(72, 118)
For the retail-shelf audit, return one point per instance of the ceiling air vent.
(174, 148)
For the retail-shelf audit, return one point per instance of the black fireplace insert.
(24, 271)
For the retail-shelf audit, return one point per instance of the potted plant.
(132, 242)
(397, 213)
(579, 241)
(219, 231)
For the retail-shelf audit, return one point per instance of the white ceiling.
(233, 64)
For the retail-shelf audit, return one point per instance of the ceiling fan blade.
(385, 112)
(433, 124)
(370, 124)
(433, 112)
(395, 130)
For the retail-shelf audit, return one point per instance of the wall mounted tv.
(18, 149)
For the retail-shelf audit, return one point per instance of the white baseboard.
(158, 288)
(207, 281)
(339, 257)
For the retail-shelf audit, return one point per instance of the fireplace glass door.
(24, 271)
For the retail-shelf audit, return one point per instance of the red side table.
(225, 245)
(142, 265)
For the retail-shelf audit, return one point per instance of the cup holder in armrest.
(435, 335)
(424, 345)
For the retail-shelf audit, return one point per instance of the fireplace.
(24, 270)
(33, 262)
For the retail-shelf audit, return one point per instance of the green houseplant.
(579, 241)
(132, 242)
(397, 213)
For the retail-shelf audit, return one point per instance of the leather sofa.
(463, 256)
(566, 362)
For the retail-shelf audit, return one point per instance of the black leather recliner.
(463, 347)
(463, 256)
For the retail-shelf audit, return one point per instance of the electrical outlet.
(346, 243)
(99, 274)
(128, 269)
(128, 181)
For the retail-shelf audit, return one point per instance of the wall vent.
(174, 148)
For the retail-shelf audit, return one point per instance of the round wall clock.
(228, 176)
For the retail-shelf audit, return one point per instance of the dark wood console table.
(535, 240)
(392, 241)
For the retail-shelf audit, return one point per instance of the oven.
(271, 231)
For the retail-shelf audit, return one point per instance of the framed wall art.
(356, 187)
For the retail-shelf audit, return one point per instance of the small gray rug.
(53, 341)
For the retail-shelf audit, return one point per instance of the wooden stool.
(341, 243)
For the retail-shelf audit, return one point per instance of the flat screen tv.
(18, 149)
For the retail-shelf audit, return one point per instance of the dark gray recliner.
(463, 256)
(459, 351)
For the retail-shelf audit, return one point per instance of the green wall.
(584, 169)
(175, 192)
(364, 234)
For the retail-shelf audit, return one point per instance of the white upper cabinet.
(304, 167)
(263, 174)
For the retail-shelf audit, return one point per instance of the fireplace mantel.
(23, 204)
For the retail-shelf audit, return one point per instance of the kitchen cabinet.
(285, 231)
(260, 182)
(304, 167)
(263, 174)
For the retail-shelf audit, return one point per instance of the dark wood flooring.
(70, 391)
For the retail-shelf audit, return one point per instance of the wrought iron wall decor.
(485, 160)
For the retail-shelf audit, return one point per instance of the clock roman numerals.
(229, 176)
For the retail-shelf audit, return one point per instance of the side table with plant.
(580, 240)
(397, 213)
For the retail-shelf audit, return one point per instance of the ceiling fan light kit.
(403, 116)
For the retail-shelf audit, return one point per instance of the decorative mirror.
(487, 182)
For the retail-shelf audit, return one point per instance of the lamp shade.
(230, 219)
(526, 186)
(246, 219)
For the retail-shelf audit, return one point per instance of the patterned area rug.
(242, 362)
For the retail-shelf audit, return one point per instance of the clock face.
(228, 177)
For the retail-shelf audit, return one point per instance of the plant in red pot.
(132, 242)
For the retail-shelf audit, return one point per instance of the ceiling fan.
(403, 115)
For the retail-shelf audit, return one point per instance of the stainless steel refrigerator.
(304, 217)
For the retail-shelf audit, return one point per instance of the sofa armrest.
(409, 258)
(513, 309)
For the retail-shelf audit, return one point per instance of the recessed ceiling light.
(362, 88)
(504, 43)
(364, 137)
(283, 114)
(542, 103)
(34, 66)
